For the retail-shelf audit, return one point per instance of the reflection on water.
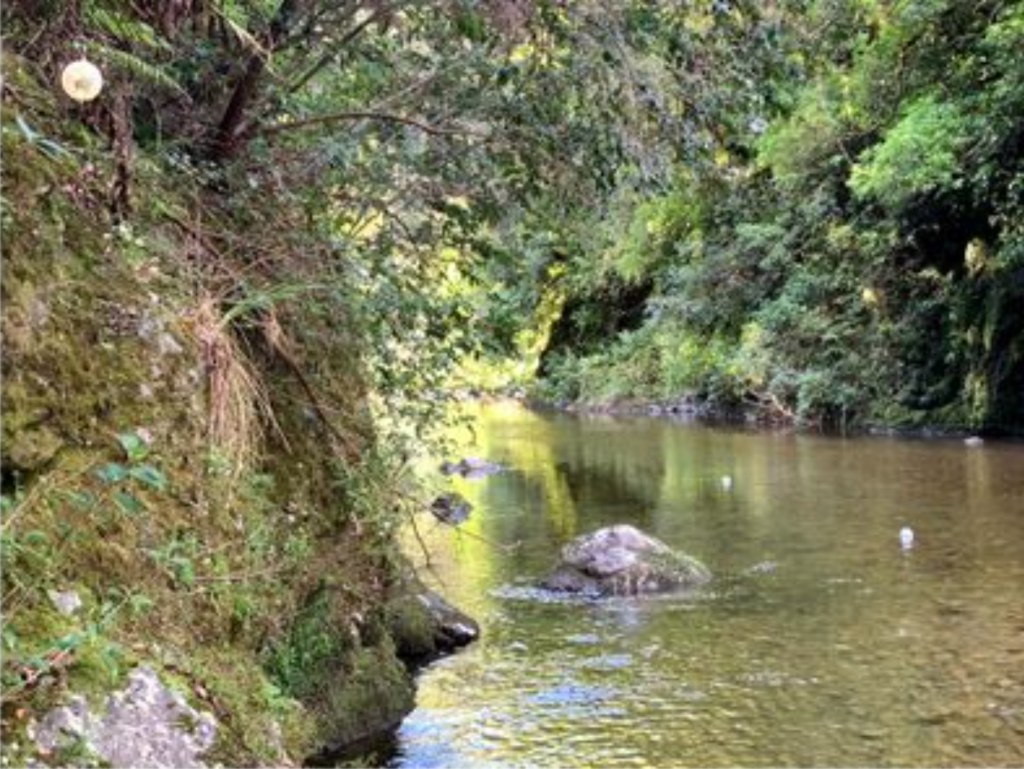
(819, 643)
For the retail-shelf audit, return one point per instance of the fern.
(135, 67)
(123, 28)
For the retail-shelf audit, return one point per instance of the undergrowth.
(186, 451)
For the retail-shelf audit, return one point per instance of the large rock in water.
(622, 560)
(424, 626)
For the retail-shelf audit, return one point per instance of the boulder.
(146, 724)
(622, 560)
(424, 626)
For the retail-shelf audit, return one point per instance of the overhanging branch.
(387, 117)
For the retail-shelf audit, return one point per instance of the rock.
(452, 509)
(143, 725)
(363, 704)
(471, 467)
(622, 560)
(67, 602)
(452, 628)
(33, 449)
(425, 626)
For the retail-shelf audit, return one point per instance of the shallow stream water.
(820, 642)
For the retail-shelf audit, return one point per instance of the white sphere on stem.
(82, 80)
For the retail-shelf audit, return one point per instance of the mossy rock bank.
(164, 460)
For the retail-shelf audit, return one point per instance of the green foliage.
(919, 155)
(312, 646)
(177, 558)
(848, 264)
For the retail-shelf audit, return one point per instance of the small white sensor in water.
(906, 538)
(727, 482)
(82, 80)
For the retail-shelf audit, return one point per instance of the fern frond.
(135, 67)
(123, 28)
(238, 20)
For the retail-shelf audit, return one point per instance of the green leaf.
(10, 639)
(47, 146)
(112, 472)
(140, 604)
(182, 569)
(135, 448)
(128, 504)
(35, 537)
(82, 500)
(150, 476)
(70, 641)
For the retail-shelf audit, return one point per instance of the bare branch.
(330, 55)
(386, 117)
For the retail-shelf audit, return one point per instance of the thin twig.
(387, 117)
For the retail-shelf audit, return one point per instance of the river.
(820, 642)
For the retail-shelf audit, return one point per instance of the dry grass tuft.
(238, 401)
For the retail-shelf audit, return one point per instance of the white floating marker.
(727, 483)
(906, 538)
(82, 80)
(974, 442)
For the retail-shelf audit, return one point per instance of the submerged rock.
(622, 560)
(452, 509)
(471, 467)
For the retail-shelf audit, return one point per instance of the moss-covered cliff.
(195, 466)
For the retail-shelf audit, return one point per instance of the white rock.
(66, 601)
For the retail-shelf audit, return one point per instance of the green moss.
(373, 695)
(411, 627)
(190, 576)
(259, 724)
(313, 644)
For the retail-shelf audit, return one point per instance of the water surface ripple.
(819, 643)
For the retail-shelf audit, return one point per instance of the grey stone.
(67, 602)
(452, 509)
(31, 450)
(143, 725)
(622, 560)
(453, 628)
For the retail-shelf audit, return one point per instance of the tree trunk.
(230, 132)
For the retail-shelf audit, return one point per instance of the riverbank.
(196, 503)
(690, 408)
